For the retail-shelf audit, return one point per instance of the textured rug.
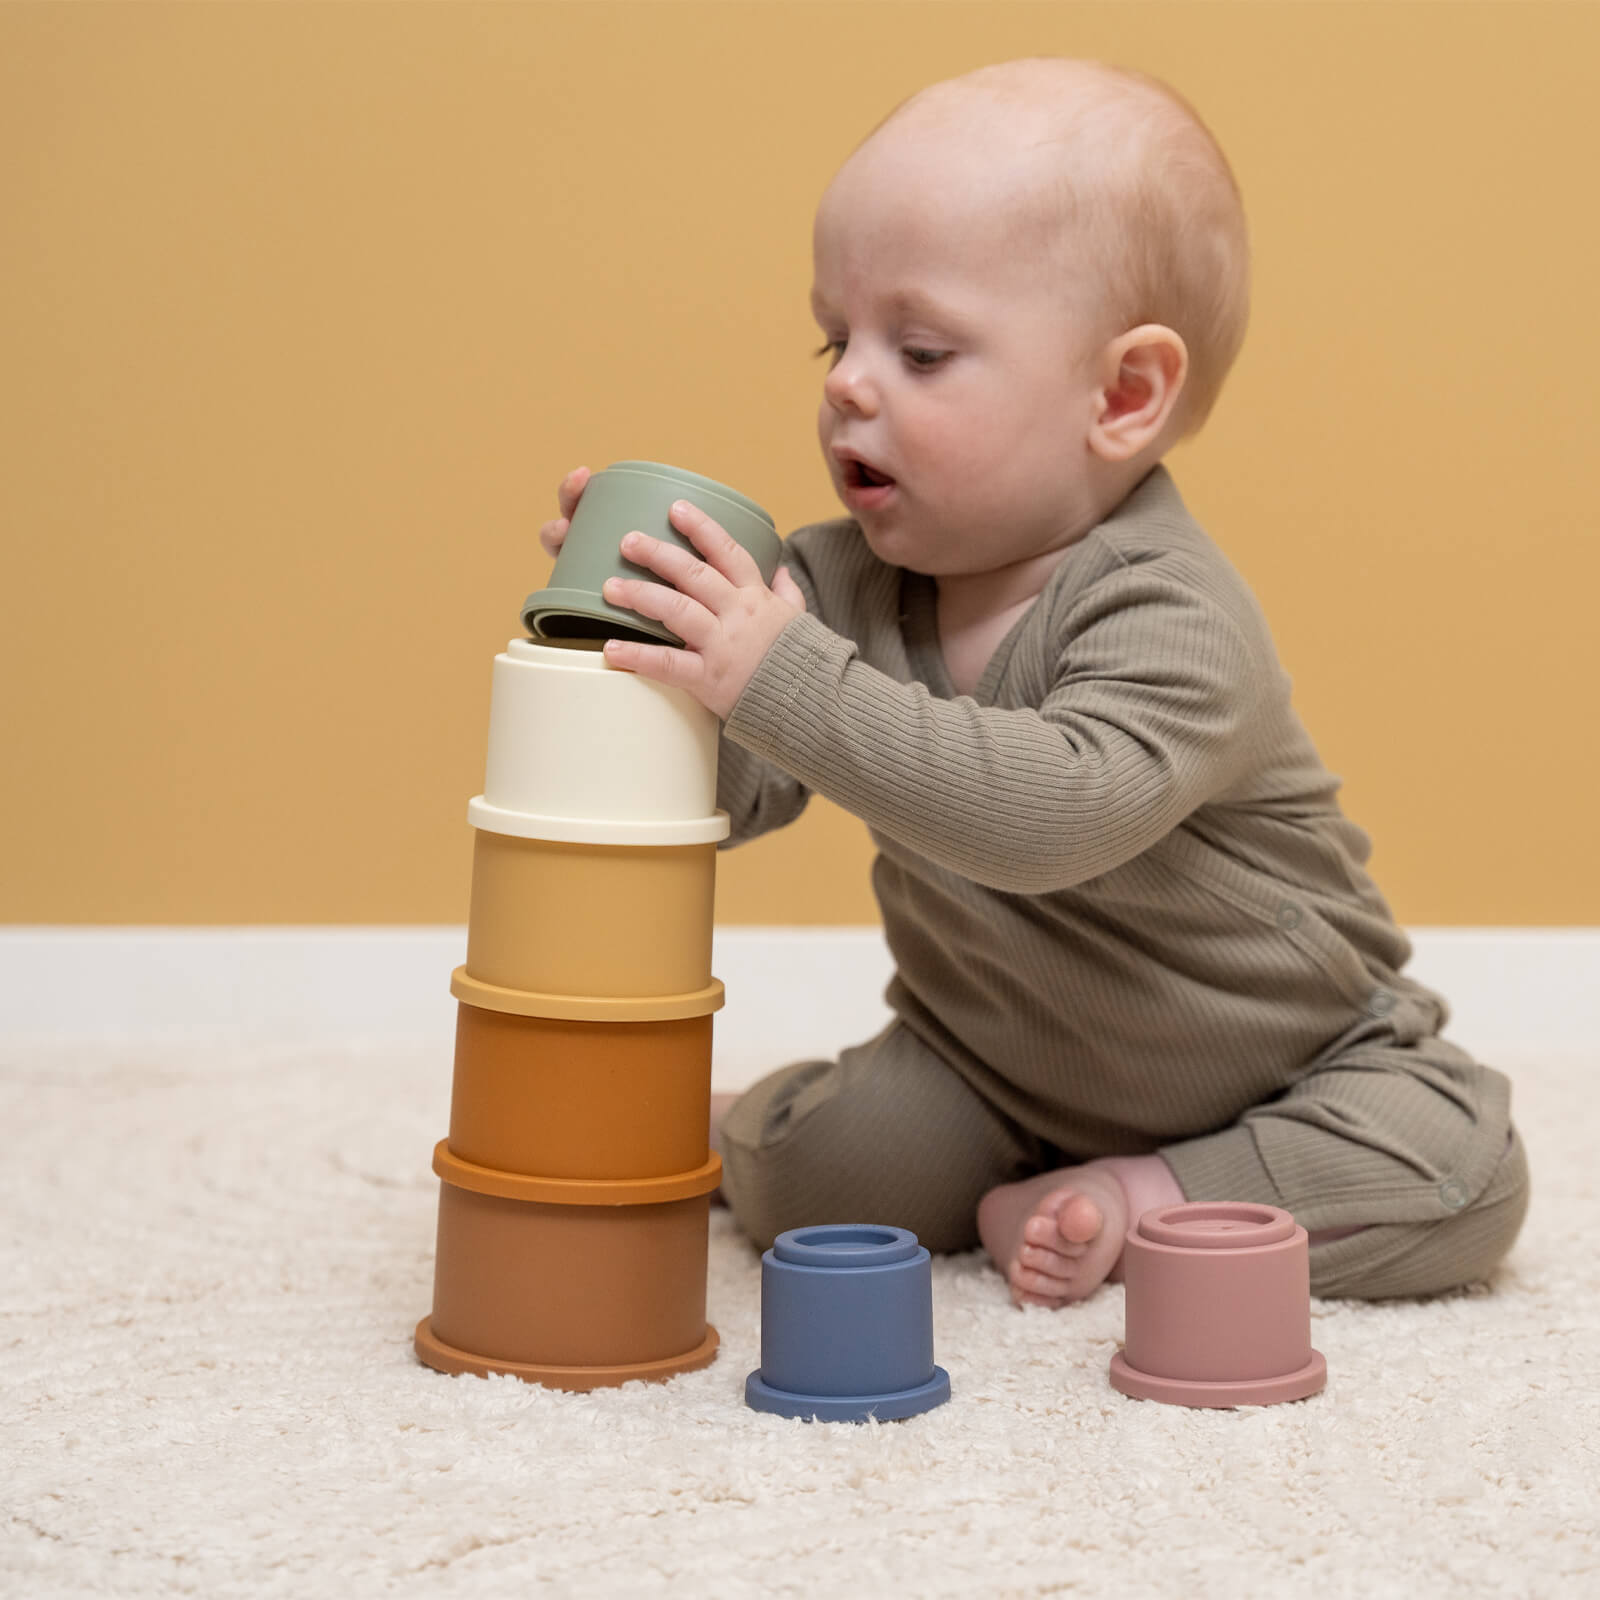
(214, 1257)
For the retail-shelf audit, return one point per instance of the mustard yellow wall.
(304, 310)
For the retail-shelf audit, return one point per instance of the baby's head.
(1033, 280)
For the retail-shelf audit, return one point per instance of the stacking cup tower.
(576, 1178)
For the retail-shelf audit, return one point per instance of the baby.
(1138, 957)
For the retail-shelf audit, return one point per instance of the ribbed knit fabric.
(1120, 894)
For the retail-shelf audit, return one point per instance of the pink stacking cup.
(1218, 1307)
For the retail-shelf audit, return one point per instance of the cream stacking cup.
(576, 1180)
(574, 741)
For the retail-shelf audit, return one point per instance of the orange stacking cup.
(562, 1098)
(561, 917)
(570, 1283)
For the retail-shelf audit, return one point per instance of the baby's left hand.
(726, 616)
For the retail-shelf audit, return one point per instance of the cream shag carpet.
(214, 1258)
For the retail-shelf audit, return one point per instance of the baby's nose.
(848, 387)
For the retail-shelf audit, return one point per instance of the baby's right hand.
(554, 532)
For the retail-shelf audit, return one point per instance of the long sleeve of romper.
(757, 796)
(1143, 721)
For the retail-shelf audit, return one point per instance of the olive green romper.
(1126, 913)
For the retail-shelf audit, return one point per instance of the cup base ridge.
(1298, 1385)
(586, 1008)
(432, 1351)
(760, 1396)
(636, 832)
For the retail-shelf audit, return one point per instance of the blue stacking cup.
(847, 1326)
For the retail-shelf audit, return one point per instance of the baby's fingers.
(553, 535)
(571, 488)
(787, 589)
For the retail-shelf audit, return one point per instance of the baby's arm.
(1146, 718)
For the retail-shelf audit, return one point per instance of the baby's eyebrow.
(911, 302)
(921, 305)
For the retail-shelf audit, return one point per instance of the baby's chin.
(888, 543)
(899, 542)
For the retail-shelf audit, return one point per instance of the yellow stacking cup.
(560, 917)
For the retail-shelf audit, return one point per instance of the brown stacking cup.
(570, 1283)
(559, 918)
(562, 1098)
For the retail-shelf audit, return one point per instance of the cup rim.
(1217, 1225)
(558, 655)
(587, 606)
(833, 1246)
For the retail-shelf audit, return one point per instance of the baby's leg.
(888, 1133)
(1399, 1159)
(721, 1104)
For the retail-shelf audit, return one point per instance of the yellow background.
(305, 310)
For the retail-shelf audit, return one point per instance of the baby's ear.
(1142, 375)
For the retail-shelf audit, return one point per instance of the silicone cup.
(567, 1099)
(590, 919)
(847, 1326)
(632, 495)
(1218, 1307)
(571, 737)
(569, 1283)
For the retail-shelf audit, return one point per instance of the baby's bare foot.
(1059, 1236)
(1056, 1237)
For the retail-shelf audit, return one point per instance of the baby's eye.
(922, 360)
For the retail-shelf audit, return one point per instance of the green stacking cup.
(632, 495)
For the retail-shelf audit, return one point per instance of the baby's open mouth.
(860, 476)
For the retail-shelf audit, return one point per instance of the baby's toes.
(1050, 1302)
(1049, 1263)
(1079, 1220)
(1029, 1287)
(1043, 1231)
(1058, 1259)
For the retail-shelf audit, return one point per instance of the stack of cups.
(577, 1176)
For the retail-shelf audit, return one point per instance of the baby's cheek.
(963, 458)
